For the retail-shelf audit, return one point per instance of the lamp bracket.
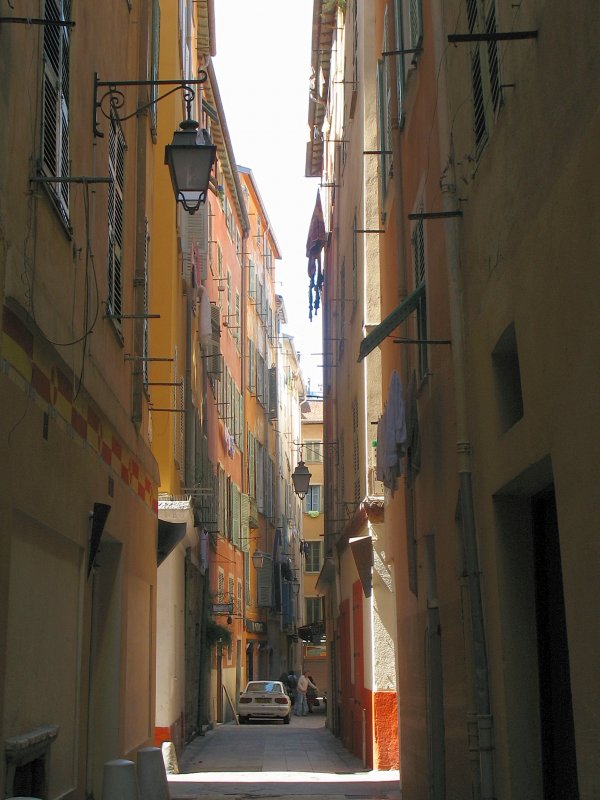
(116, 97)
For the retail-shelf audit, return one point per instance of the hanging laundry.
(317, 239)
(391, 436)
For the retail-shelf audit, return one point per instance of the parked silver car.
(264, 700)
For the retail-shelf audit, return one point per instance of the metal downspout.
(189, 478)
(477, 627)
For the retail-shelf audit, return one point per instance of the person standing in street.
(301, 707)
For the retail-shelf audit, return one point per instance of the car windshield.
(274, 687)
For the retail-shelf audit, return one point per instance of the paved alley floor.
(269, 759)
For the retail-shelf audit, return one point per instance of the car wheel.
(243, 720)
(286, 720)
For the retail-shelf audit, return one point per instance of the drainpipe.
(476, 625)
(188, 408)
(476, 632)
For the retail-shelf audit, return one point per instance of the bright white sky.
(263, 69)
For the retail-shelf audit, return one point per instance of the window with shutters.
(273, 393)
(235, 515)
(342, 311)
(260, 379)
(260, 477)
(314, 609)
(251, 279)
(221, 507)
(418, 246)
(55, 102)
(264, 579)
(240, 440)
(116, 171)
(342, 467)
(251, 466)
(384, 133)
(145, 328)
(354, 265)
(245, 522)
(247, 595)
(251, 367)
(485, 70)
(236, 332)
(313, 452)
(354, 95)
(193, 232)
(400, 60)
(154, 59)
(179, 423)
(415, 23)
(355, 450)
(313, 500)
(229, 310)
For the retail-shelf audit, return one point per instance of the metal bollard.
(152, 775)
(119, 780)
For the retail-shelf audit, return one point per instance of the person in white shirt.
(301, 707)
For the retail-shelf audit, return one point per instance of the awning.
(169, 536)
(391, 322)
(326, 576)
(362, 550)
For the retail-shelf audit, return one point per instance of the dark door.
(556, 709)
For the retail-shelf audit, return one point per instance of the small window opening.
(505, 359)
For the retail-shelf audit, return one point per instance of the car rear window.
(264, 686)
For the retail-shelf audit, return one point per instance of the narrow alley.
(273, 760)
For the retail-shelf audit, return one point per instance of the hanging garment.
(391, 435)
(317, 239)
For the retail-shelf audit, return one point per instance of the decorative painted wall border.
(54, 389)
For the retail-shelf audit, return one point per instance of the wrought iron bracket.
(109, 97)
(58, 23)
(435, 214)
(498, 36)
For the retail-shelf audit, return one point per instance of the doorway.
(557, 729)
(536, 669)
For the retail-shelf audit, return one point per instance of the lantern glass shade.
(258, 559)
(190, 158)
(295, 588)
(301, 479)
